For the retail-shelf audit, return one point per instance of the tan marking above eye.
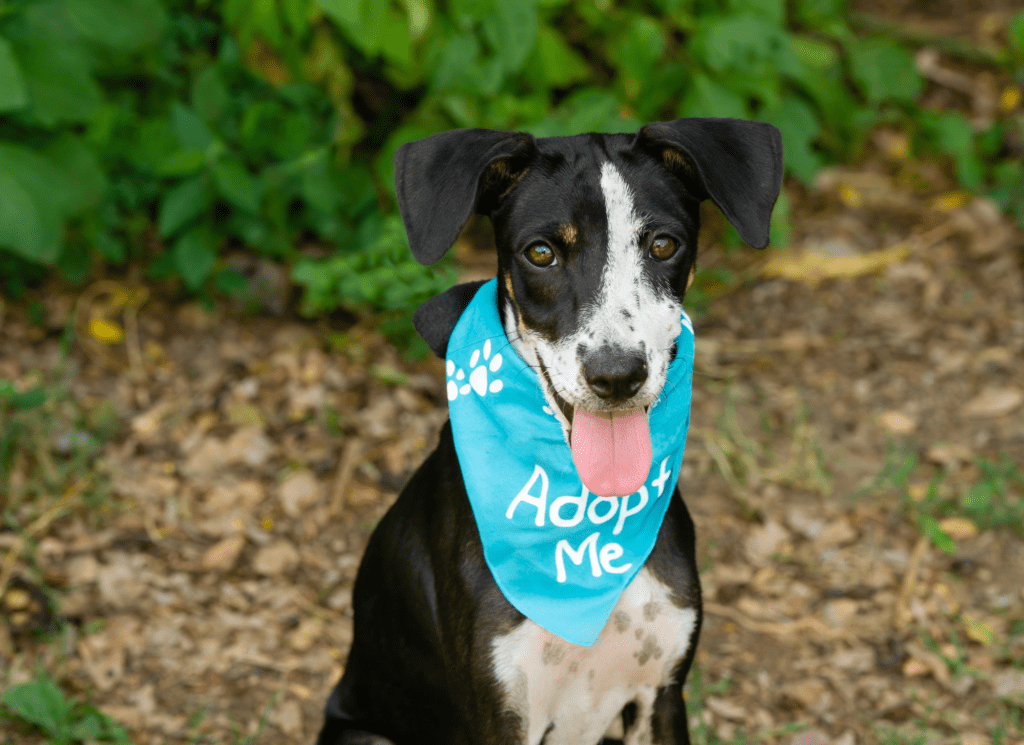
(540, 254)
(567, 233)
(663, 247)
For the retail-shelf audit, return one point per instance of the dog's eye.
(663, 247)
(540, 254)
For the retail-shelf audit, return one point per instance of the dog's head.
(596, 238)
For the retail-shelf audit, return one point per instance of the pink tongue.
(612, 453)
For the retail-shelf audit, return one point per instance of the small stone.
(839, 612)
(82, 569)
(250, 446)
(994, 402)
(119, 585)
(948, 455)
(836, 533)
(725, 709)
(914, 668)
(298, 493)
(1009, 684)
(808, 691)
(287, 717)
(277, 558)
(764, 541)
(974, 738)
(306, 635)
(897, 422)
(209, 457)
(221, 556)
(847, 738)
(807, 526)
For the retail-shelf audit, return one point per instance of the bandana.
(561, 555)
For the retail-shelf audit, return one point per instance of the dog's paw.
(478, 369)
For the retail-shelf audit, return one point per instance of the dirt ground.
(834, 418)
(853, 396)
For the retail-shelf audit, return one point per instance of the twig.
(346, 467)
(37, 526)
(788, 628)
(901, 612)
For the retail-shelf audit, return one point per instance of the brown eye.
(663, 247)
(540, 254)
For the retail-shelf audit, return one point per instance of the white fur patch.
(650, 330)
(578, 692)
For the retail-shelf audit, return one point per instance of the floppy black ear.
(436, 318)
(735, 163)
(442, 179)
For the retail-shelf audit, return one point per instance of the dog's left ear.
(735, 163)
(442, 179)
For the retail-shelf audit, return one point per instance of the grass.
(745, 463)
(994, 499)
(701, 731)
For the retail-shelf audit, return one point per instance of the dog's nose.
(614, 375)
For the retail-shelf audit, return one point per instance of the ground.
(855, 469)
(203, 573)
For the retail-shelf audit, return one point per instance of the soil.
(211, 588)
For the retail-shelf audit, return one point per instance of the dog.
(596, 239)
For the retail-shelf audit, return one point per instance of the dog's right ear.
(442, 179)
(435, 319)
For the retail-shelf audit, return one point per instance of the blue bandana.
(560, 555)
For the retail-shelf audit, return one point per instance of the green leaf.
(884, 71)
(56, 73)
(773, 10)
(191, 130)
(705, 97)
(800, 128)
(122, 25)
(84, 182)
(951, 133)
(512, 31)
(641, 47)
(40, 703)
(930, 527)
(89, 728)
(237, 185)
(13, 94)
(588, 110)
(181, 204)
(210, 96)
(1015, 34)
(32, 199)
(559, 62)
(194, 257)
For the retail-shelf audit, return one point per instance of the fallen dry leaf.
(813, 267)
(994, 402)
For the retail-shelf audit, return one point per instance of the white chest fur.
(576, 692)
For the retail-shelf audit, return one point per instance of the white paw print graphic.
(477, 374)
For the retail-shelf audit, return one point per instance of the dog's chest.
(571, 693)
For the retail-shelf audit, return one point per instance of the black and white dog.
(596, 238)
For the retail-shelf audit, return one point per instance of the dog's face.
(596, 239)
(594, 256)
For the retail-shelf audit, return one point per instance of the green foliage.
(55, 440)
(63, 722)
(169, 132)
(996, 500)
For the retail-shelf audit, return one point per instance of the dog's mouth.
(611, 449)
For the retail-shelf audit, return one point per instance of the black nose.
(613, 374)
